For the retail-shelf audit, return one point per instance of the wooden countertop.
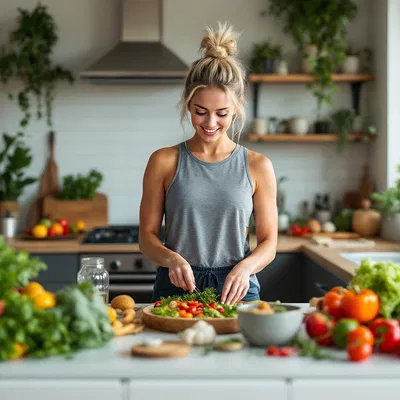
(329, 258)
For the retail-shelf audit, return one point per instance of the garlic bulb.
(201, 333)
(329, 227)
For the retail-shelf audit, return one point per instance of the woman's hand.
(236, 285)
(181, 274)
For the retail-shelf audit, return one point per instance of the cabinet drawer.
(208, 389)
(60, 389)
(345, 389)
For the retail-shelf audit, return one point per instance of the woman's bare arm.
(158, 174)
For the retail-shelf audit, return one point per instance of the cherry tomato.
(183, 306)
(192, 310)
(287, 351)
(361, 335)
(359, 352)
(193, 303)
(273, 351)
(200, 305)
(221, 310)
(386, 333)
(213, 305)
(320, 327)
(157, 303)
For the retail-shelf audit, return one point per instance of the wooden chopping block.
(93, 212)
(48, 184)
(168, 349)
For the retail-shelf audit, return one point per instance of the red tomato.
(192, 310)
(183, 306)
(157, 303)
(305, 230)
(386, 333)
(320, 327)
(273, 351)
(331, 304)
(193, 303)
(63, 222)
(361, 335)
(2, 307)
(296, 230)
(213, 305)
(221, 310)
(359, 352)
(198, 312)
(287, 351)
(51, 232)
(66, 230)
(201, 305)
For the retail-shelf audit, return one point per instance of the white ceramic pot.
(9, 227)
(298, 125)
(282, 68)
(390, 228)
(259, 126)
(283, 223)
(351, 65)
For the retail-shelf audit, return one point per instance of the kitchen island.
(112, 373)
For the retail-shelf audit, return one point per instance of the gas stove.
(115, 234)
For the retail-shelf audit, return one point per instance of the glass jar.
(92, 269)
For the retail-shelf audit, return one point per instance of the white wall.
(115, 128)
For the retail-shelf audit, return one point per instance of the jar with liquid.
(92, 269)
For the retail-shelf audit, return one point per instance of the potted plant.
(319, 29)
(264, 57)
(27, 58)
(15, 159)
(356, 61)
(343, 121)
(79, 199)
(388, 202)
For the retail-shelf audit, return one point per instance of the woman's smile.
(210, 132)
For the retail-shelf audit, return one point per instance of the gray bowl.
(263, 330)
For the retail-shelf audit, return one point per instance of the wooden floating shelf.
(308, 138)
(304, 78)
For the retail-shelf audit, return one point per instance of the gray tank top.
(208, 207)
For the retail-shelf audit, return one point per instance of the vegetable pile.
(37, 323)
(195, 305)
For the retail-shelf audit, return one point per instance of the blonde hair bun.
(220, 43)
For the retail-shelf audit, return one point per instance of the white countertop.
(114, 361)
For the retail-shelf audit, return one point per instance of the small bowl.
(263, 330)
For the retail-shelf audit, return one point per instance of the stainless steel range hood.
(140, 56)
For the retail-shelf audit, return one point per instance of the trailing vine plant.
(323, 24)
(27, 58)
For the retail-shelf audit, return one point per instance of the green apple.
(46, 222)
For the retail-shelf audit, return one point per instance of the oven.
(130, 273)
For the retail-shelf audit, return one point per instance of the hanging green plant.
(28, 59)
(323, 25)
(343, 121)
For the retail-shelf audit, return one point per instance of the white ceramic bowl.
(263, 330)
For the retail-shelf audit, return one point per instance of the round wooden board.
(168, 349)
(178, 324)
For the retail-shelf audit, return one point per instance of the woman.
(207, 188)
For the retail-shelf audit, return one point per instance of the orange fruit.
(44, 300)
(80, 225)
(112, 314)
(57, 229)
(19, 351)
(39, 231)
(32, 289)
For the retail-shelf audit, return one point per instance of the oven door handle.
(137, 287)
(132, 278)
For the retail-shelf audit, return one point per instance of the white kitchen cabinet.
(345, 389)
(60, 389)
(209, 389)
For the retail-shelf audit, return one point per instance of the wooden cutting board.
(168, 349)
(175, 325)
(93, 212)
(48, 183)
(334, 235)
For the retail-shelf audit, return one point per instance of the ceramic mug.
(260, 126)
